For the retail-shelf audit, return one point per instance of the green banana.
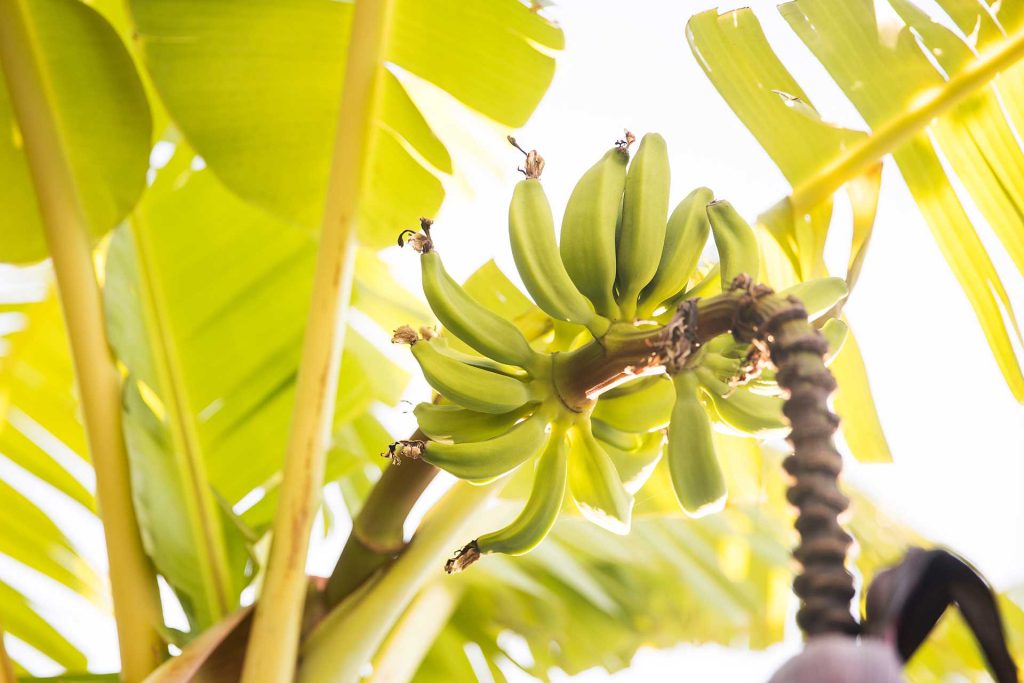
(741, 410)
(819, 296)
(469, 386)
(453, 423)
(692, 463)
(738, 252)
(595, 484)
(624, 441)
(484, 461)
(588, 230)
(635, 465)
(685, 235)
(644, 210)
(631, 386)
(641, 411)
(532, 234)
(542, 507)
(484, 330)
(724, 367)
(440, 342)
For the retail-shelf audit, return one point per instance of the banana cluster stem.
(378, 530)
(778, 326)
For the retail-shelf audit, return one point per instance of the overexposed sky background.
(956, 432)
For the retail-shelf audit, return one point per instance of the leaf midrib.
(890, 136)
(187, 451)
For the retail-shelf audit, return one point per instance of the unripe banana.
(588, 230)
(631, 386)
(484, 461)
(469, 386)
(685, 235)
(819, 296)
(723, 367)
(738, 252)
(595, 484)
(532, 234)
(641, 411)
(696, 474)
(485, 331)
(745, 412)
(644, 210)
(440, 342)
(542, 507)
(624, 441)
(635, 465)
(453, 423)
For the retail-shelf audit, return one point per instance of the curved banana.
(819, 295)
(588, 230)
(542, 507)
(631, 386)
(440, 342)
(640, 411)
(635, 465)
(644, 210)
(532, 234)
(685, 235)
(484, 330)
(746, 413)
(453, 423)
(738, 252)
(724, 367)
(696, 475)
(484, 461)
(624, 441)
(469, 386)
(595, 484)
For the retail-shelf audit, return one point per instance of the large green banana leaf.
(102, 117)
(255, 88)
(207, 298)
(942, 98)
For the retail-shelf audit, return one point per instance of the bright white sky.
(955, 430)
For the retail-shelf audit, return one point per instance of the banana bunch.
(622, 265)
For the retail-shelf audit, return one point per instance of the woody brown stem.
(797, 350)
